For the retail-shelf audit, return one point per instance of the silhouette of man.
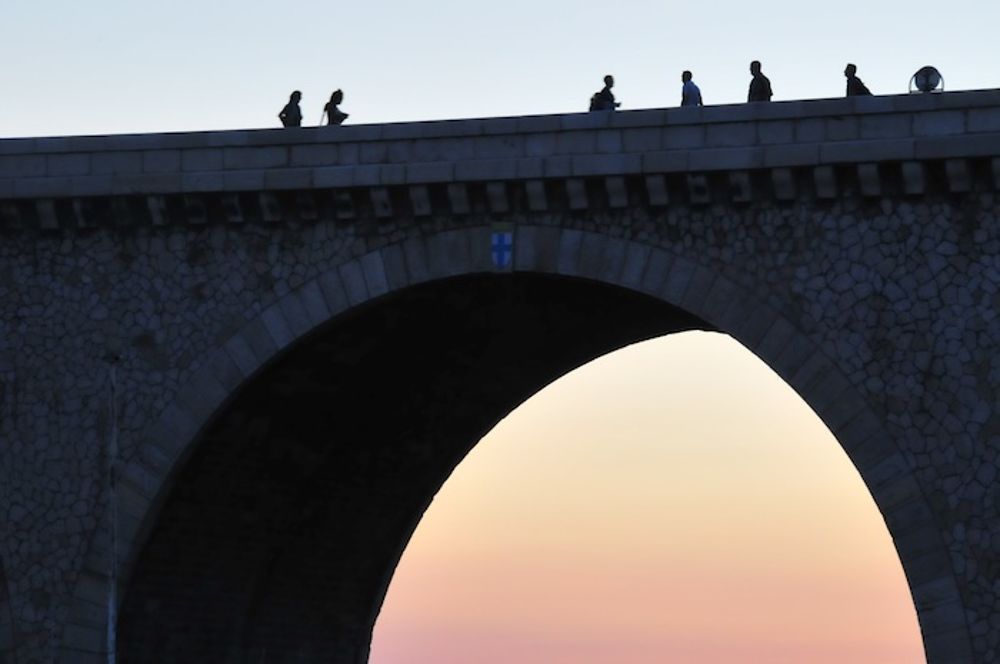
(760, 86)
(334, 116)
(605, 99)
(855, 88)
(690, 93)
(291, 114)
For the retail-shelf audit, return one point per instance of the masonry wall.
(899, 295)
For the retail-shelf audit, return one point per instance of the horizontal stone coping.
(744, 136)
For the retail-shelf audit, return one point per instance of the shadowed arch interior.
(333, 453)
(6, 620)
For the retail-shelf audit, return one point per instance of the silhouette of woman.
(334, 115)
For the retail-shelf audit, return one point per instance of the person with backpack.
(855, 87)
(605, 99)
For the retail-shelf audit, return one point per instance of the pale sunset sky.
(672, 502)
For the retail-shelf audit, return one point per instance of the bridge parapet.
(871, 146)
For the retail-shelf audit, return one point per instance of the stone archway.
(670, 286)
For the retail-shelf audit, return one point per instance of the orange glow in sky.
(671, 502)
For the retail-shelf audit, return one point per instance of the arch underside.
(280, 534)
(6, 621)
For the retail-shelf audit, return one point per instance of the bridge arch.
(664, 292)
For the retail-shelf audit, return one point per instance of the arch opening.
(333, 452)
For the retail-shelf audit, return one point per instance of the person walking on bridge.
(855, 87)
(690, 93)
(760, 86)
(291, 114)
(605, 99)
(335, 116)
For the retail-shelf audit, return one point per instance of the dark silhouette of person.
(291, 114)
(690, 93)
(335, 116)
(855, 87)
(605, 99)
(760, 86)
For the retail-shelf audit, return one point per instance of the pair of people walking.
(291, 114)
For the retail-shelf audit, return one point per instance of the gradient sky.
(672, 502)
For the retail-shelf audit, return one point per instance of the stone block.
(684, 137)
(939, 123)
(606, 164)
(458, 198)
(353, 279)
(948, 147)
(885, 126)
(775, 132)
(333, 177)
(657, 194)
(315, 155)
(790, 155)
(244, 180)
(842, 128)
(486, 169)
(448, 254)
(740, 189)
(530, 167)
(609, 141)
(576, 192)
(83, 639)
(537, 198)
(873, 151)
(395, 267)
(783, 182)
(257, 157)
(570, 245)
(381, 202)
(288, 178)
(536, 248)
(441, 171)
(617, 193)
(726, 159)
(642, 139)
(558, 167)
(420, 200)
(984, 120)
(675, 161)
(576, 142)
(22, 166)
(699, 193)
(161, 161)
(810, 130)
(205, 159)
(270, 207)
(825, 181)
(736, 134)
(869, 180)
(914, 177)
(417, 266)
(497, 197)
(995, 163)
(959, 175)
(67, 164)
(538, 123)
(634, 265)
(374, 273)
(202, 182)
(595, 120)
(540, 145)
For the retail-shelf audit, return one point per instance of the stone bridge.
(235, 367)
